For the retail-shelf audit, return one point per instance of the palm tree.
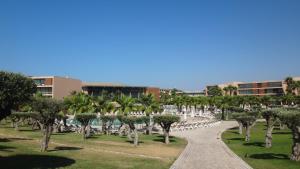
(149, 104)
(230, 89)
(178, 101)
(81, 104)
(215, 91)
(126, 104)
(291, 85)
(222, 103)
(202, 101)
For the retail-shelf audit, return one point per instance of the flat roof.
(103, 84)
(45, 77)
(108, 84)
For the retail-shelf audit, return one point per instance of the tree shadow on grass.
(4, 140)
(161, 138)
(29, 130)
(269, 156)
(64, 148)
(128, 141)
(58, 134)
(25, 161)
(6, 148)
(282, 132)
(13, 139)
(238, 139)
(258, 144)
(92, 137)
(234, 132)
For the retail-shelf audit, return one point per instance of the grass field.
(254, 152)
(21, 149)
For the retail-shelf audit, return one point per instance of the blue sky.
(183, 44)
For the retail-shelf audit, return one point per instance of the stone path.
(206, 150)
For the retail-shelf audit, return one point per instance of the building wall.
(258, 88)
(261, 88)
(153, 90)
(48, 81)
(62, 87)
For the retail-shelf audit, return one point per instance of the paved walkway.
(206, 150)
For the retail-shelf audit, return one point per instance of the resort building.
(192, 93)
(95, 89)
(263, 88)
(60, 87)
(56, 87)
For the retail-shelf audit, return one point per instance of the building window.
(39, 82)
(274, 84)
(44, 90)
(245, 86)
(246, 92)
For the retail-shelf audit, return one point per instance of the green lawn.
(21, 149)
(254, 152)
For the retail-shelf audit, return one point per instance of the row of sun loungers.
(182, 126)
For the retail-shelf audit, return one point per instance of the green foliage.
(290, 117)
(145, 119)
(79, 103)
(215, 91)
(269, 114)
(292, 85)
(15, 90)
(85, 118)
(47, 110)
(166, 121)
(231, 90)
(23, 115)
(126, 104)
(108, 118)
(131, 120)
(246, 118)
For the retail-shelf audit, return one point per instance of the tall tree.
(271, 118)
(15, 90)
(231, 90)
(247, 119)
(126, 104)
(165, 121)
(47, 111)
(83, 106)
(214, 91)
(223, 103)
(131, 121)
(149, 104)
(292, 119)
(179, 102)
(290, 85)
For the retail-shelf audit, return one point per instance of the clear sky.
(184, 44)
